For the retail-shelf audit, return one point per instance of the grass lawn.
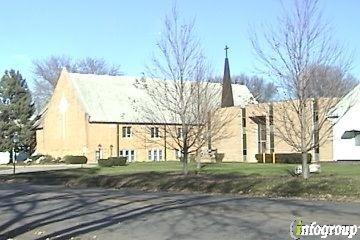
(346, 170)
(335, 182)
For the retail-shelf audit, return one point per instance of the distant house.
(346, 131)
(4, 157)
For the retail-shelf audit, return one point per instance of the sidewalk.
(40, 168)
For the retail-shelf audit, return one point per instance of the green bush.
(118, 161)
(289, 158)
(112, 161)
(219, 157)
(105, 163)
(75, 159)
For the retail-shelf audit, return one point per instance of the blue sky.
(125, 32)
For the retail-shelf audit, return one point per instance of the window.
(271, 124)
(154, 132)
(178, 154)
(126, 132)
(129, 154)
(155, 155)
(316, 126)
(244, 145)
(262, 136)
(243, 113)
(179, 133)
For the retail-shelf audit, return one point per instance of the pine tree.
(16, 112)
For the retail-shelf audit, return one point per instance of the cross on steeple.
(227, 99)
(226, 51)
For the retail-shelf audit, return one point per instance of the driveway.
(55, 212)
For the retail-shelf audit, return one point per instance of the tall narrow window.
(244, 140)
(262, 135)
(316, 126)
(126, 132)
(271, 123)
(179, 132)
(243, 114)
(244, 145)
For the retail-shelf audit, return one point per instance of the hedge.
(291, 158)
(118, 161)
(112, 161)
(75, 159)
(105, 163)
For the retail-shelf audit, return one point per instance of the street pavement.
(55, 212)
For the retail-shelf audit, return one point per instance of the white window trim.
(127, 134)
(129, 155)
(155, 154)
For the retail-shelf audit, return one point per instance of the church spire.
(227, 99)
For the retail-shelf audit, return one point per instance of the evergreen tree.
(16, 112)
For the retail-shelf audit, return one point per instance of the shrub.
(219, 157)
(75, 159)
(105, 163)
(44, 159)
(112, 161)
(290, 158)
(118, 161)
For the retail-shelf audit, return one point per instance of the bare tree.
(262, 90)
(47, 72)
(181, 98)
(97, 66)
(288, 52)
(323, 78)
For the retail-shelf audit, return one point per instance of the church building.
(95, 116)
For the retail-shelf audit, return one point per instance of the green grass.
(335, 182)
(348, 170)
(219, 168)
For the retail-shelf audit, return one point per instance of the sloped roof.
(347, 102)
(111, 98)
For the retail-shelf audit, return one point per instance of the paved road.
(39, 168)
(55, 212)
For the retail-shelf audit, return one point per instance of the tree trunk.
(305, 167)
(198, 163)
(185, 163)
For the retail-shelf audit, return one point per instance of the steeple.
(227, 99)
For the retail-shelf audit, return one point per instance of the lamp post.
(111, 150)
(15, 141)
(99, 149)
